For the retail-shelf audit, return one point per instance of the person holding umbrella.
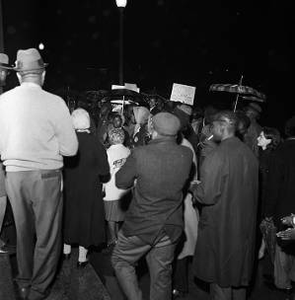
(253, 111)
(228, 191)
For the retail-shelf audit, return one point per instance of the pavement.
(71, 283)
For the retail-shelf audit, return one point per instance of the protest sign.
(183, 93)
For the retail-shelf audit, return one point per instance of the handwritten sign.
(132, 87)
(183, 93)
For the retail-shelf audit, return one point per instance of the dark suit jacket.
(160, 169)
(281, 191)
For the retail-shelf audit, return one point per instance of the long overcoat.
(84, 208)
(229, 190)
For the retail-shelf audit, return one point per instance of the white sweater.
(36, 129)
(117, 155)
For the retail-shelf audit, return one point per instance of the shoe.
(7, 249)
(66, 256)
(176, 294)
(3, 251)
(82, 264)
(23, 293)
(271, 286)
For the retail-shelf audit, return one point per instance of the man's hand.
(288, 234)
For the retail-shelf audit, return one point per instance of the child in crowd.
(117, 154)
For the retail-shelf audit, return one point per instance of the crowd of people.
(163, 181)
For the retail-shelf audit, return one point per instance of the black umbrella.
(247, 93)
(124, 95)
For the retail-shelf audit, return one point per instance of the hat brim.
(6, 66)
(30, 69)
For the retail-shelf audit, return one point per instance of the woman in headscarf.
(84, 208)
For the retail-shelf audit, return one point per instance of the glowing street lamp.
(121, 4)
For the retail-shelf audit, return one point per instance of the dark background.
(165, 41)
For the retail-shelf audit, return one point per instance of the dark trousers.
(159, 259)
(36, 202)
(229, 293)
(180, 275)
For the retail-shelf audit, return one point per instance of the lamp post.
(121, 4)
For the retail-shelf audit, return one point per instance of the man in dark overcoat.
(154, 221)
(224, 252)
(280, 203)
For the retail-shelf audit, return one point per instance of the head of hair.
(229, 119)
(81, 119)
(290, 127)
(209, 114)
(274, 135)
(243, 122)
(116, 136)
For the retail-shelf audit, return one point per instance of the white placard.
(183, 93)
(118, 87)
(132, 87)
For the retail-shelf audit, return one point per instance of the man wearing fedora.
(36, 131)
(4, 67)
(154, 221)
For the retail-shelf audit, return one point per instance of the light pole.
(121, 4)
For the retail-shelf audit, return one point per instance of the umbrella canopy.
(253, 98)
(124, 95)
(237, 89)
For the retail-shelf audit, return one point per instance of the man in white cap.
(4, 67)
(36, 131)
(154, 221)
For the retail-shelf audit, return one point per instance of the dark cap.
(166, 124)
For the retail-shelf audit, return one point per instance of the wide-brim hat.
(29, 60)
(4, 62)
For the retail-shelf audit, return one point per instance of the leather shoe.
(82, 264)
(23, 293)
(7, 249)
(4, 251)
(66, 256)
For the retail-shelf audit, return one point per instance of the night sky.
(189, 42)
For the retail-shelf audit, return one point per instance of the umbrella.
(126, 94)
(239, 90)
(253, 98)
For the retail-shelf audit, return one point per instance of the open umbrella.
(253, 98)
(246, 92)
(124, 95)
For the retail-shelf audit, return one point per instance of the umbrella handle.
(238, 95)
(236, 102)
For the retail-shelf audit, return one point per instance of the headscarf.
(81, 120)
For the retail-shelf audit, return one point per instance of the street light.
(121, 4)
